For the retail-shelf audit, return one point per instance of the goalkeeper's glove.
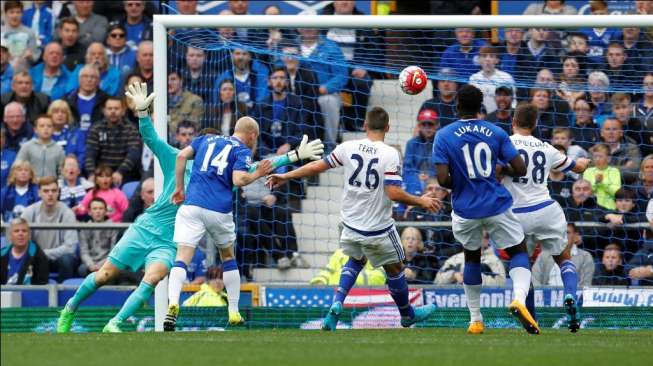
(307, 150)
(137, 93)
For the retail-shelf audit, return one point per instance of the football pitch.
(351, 347)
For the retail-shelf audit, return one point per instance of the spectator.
(131, 113)
(142, 199)
(20, 191)
(241, 7)
(74, 51)
(585, 131)
(114, 198)
(196, 272)
(644, 187)
(605, 179)
(280, 116)
(330, 275)
(640, 267)
(185, 134)
(22, 262)
(624, 153)
(462, 56)
(22, 91)
(417, 161)
(492, 270)
(51, 76)
(114, 142)
(65, 132)
(598, 39)
(7, 158)
(577, 42)
(331, 76)
(43, 153)
(211, 293)
(625, 213)
(622, 75)
(121, 55)
(250, 77)
(547, 273)
(182, 105)
(137, 25)
(611, 270)
(6, 69)
(272, 38)
(420, 266)
(196, 76)
(560, 183)
(572, 79)
(59, 245)
(20, 40)
(562, 136)
(502, 116)
(550, 7)
(145, 63)
(73, 186)
(581, 206)
(511, 49)
(92, 27)
(434, 189)
(18, 130)
(644, 111)
(228, 109)
(535, 56)
(598, 84)
(444, 102)
(489, 78)
(87, 101)
(39, 19)
(623, 111)
(639, 50)
(549, 118)
(110, 77)
(95, 245)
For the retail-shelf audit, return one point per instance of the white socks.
(473, 294)
(175, 282)
(521, 282)
(232, 284)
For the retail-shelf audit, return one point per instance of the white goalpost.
(162, 23)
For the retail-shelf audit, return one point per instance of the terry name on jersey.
(367, 149)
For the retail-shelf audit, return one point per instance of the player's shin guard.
(175, 282)
(472, 282)
(399, 291)
(348, 276)
(569, 278)
(231, 278)
(134, 301)
(86, 289)
(520, 274)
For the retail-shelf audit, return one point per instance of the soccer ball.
(412, 80)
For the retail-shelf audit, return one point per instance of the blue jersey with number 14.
(471, 148)
(211, 183)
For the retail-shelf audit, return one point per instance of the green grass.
(352, 347)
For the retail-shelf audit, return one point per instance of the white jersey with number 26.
(369, 166)
(540, 158)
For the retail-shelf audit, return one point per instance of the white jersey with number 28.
(540, 158)
(368, 167)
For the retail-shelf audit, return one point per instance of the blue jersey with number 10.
(211, 183)
(471, 148)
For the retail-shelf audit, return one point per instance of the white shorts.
(504, 230)
(381, 249)
(192, 222)
(546, 226)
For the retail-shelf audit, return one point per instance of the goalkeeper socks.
(530, 302)
(399, 291)
(472, 282)
(348, 276)
(521, 276)
(176, 281)
(569, 277)
(86, 289)
(134, 301)
(231, 278)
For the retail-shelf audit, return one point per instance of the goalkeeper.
(148, 241)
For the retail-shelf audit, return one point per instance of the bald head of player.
(525, 118)
(377, 121)
(246, 130)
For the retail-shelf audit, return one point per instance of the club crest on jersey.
(248, 162)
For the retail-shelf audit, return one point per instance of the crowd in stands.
(71, 151)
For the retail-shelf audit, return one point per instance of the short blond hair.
(18, 164)
(415, 231)
(61, 105)
(246, 125)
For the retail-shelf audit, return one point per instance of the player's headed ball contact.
(412, 80)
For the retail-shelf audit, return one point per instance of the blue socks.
(569, 277)
(134, 301)
(86, 289)
(520, 260)
(399, 291)
(472, 274)
(348, 276)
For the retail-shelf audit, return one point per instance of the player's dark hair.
(377, 119)
(208, 131)
(470, 101)
(526, 116)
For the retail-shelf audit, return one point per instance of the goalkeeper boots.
(421, 314)
(65, 321)
(170, 322)
(112, 327)
(519, 311)
(476, 327)
(573, 315)
(235, 318)
(330, 321)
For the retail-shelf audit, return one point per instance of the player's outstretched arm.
(306, 151)
(179, 195)
(242, 178)
(313, 168)
(581, 165)
(397, 194)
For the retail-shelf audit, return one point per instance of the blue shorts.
(138, 248)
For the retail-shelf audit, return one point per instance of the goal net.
(318, 75)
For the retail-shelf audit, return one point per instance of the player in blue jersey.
(466, 154)
(220, 163)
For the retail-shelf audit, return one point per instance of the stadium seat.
(73, 281)
(129, 188)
